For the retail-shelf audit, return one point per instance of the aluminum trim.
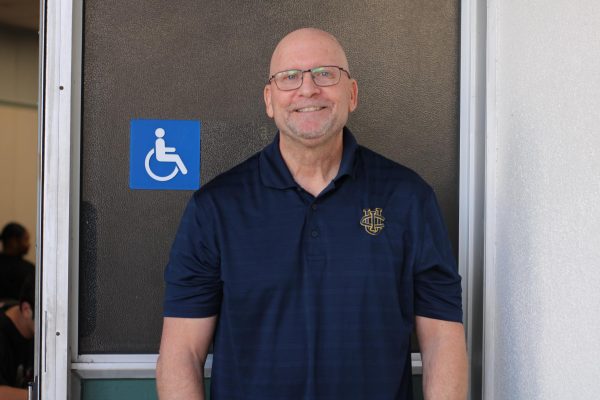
(76, 82)
(143, 366)
(116, 358)
(40, 191)
(472, 180)
(124, 366)
(489, 298)
(55, 194)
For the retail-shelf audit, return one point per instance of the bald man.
(311, 262)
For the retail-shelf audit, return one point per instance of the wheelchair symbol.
(164, 154)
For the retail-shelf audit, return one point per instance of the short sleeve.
(193, 286)
(437, 284)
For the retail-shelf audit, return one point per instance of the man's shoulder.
(7, 328)
(235, 181)
(14, 261)
(378, 168)
(28, 265)
(6, 260)
(237, 174)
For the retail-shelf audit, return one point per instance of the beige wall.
(18, 129)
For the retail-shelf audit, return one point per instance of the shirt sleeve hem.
(178, 312)
(445, 316)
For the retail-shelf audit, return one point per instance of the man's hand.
(12, 393)
(444, 356)
(183, 349)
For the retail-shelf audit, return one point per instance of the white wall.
(18, 129)
(543, 293)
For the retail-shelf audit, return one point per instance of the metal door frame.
(59, 368)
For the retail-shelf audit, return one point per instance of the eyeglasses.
(327, 75)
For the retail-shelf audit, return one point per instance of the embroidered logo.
(372, 221)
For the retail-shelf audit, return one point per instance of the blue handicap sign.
(164, 154)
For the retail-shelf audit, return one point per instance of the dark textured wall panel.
(174, 60)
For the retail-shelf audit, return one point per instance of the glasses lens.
(288, 80)
(325, 76)
(292, 79)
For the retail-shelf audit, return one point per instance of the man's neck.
(313, 168)
(11, 251)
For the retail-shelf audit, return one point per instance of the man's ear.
(268, 104)
(353, 95)
(26, 310)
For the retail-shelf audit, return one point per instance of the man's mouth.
(309, 109)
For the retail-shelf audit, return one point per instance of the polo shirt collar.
(274, 172)
(348, 164)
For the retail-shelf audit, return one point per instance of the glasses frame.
(303, 71)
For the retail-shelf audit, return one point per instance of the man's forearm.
(183, 351)
(12, 393)
(444, 353)
(177, 380)
(445, 374)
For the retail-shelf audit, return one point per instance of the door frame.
(59, 368)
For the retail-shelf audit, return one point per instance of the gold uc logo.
(372, 221)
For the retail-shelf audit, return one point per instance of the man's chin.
(310, 138)
(312, 135)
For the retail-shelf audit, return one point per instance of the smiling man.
(311, 262)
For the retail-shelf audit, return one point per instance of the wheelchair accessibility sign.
(164, 154)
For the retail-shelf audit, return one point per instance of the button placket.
(314, 233)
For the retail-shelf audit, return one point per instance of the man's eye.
(291, 76)
(322, 74)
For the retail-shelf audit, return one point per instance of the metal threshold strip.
(143, 366)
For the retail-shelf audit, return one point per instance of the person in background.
(17, 328)
(13, 267)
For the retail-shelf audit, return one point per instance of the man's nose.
(308, 86)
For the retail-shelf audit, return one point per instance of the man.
(312, 261)
(13, 267)
(16, 345)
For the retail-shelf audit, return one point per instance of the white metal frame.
(61, 31)
(490, 204)
(53, 256)
(472, 180)
(38, 228)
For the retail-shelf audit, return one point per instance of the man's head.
(310, 114)
(15, 239)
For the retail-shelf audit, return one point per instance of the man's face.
(17, 246)
(310, 114)
(24, 243)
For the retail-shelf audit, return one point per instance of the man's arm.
(444, 356)
(12, 393)
(183, 350)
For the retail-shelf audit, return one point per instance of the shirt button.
(314, 207)
(314, 233)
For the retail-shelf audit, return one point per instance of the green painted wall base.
(145, 389)
(123, 389)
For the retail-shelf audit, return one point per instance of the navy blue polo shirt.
(316, 296)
